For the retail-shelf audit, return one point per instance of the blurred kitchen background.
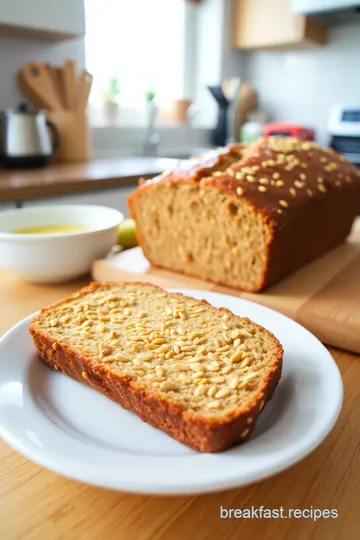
(170, 79)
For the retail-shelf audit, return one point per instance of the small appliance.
(344, 131)
(284, 129)
(25, 140)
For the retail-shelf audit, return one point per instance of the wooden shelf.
(36, 33)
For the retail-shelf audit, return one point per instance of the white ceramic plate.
(71, 429)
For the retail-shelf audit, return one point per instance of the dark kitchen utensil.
(225, 130)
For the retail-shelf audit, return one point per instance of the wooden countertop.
(36, 503)
(65, 179)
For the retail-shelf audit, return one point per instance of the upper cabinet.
(52, 20)
(269, 24)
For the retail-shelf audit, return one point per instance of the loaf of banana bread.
(201, 374)
(246, 216)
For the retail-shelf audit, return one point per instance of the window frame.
(136, 116)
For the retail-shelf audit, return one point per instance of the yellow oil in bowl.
(53, 229)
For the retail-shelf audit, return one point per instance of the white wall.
(216, 59)
(210, 15)
(301, 86)
(15, 52)
(232, 60)
(113, 198)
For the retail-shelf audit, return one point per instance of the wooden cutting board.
(324, 296)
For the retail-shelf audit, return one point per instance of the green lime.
(127, 234)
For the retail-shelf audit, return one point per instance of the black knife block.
(219, 134)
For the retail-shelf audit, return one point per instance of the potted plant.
(111, 105)
(150, 95)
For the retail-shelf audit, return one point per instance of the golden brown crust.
(276, 176)
(296, 188)
(203, 433)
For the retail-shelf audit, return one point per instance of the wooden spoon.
(84, 88)
(36, 78)
(55, 76)
(69, 85)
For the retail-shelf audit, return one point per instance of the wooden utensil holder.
(75, 139)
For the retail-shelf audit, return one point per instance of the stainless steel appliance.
(344, 131)
(25, 139)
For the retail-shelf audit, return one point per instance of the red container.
(283, 129)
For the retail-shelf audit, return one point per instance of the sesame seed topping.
(292, 192)
(283, 203)
(264, 180)
(299, 184)
(302, 176)
(320, 180)
(276, 176)
(322, 188)
(279, 183)
(239, 191)
(262, 188)
(309, 192)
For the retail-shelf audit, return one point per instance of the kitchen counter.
(36, 503)
(66, 179)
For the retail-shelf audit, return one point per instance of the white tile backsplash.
(301, 86)
(16, 51)
(113, 198)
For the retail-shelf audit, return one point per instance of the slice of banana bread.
(247, 216)
(200, 374)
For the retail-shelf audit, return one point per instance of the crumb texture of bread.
(200, 374)
(203, 233)
(246, 216)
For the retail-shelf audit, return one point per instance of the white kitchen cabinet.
(114, 198)
(270, 24)
(53, 20)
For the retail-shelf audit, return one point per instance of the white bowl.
(54, 258)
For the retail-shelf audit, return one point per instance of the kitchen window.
(142, 44)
